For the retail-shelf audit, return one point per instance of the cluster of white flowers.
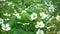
(6, 14)
(43, 15)
(17, 15)
(51, 8)
(5, 27)
(7, 19)
(33, 16)
(41, 23)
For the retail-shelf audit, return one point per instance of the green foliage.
(18, 18)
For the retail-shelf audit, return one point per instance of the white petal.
(9, 28)
(2, 24)
(41, 31)
(7, 24)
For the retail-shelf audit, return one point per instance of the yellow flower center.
(34, 16)
(17, 14)
(6, 14)
(39, 33)
(0, 20)
(59, 18)
(37, 26)
(40, 25)
(42, 14)
(5, 27)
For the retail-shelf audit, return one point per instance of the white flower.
(7, 19)
(40, 25)
(51, 8)
(26, 23)
(17, 15)
(51, 18)
(58, 18)
(1, 20)
(24, 11)
(9, 3)
(33, 16)
(48, 4)
(13, 5)
(15, 11)
(43, 15)
(6, 27)
(40, 31)
(6, 14)
(26, 8)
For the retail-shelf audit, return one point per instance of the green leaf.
(20, 31)
(25, 17)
